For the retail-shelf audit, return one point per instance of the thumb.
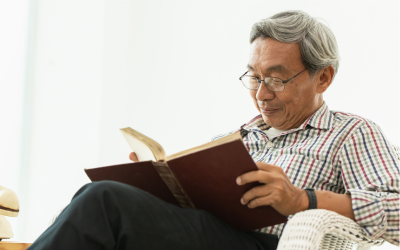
(133, 157)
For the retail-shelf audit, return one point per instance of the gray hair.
(317, 43)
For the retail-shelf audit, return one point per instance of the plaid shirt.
(338, 152)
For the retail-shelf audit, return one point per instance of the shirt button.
(269, 144)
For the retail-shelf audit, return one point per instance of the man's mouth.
(268, 111)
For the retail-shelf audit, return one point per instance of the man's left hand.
(277, 191)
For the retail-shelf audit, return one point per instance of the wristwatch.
(312, 204)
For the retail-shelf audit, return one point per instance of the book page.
(223, 140)
(145, 148)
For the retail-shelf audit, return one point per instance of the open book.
(203, 177)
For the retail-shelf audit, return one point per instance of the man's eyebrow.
(279, 68)
(250, 68)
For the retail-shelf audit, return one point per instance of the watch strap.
(312, 197)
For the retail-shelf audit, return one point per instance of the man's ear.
(325, 79)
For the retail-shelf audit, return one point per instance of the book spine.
(169, 178)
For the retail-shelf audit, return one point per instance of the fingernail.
(238, 181)
(242, 201)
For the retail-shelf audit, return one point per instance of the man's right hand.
(133, 157)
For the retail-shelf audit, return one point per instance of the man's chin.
(267, 119)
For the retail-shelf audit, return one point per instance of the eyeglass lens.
(253, 83)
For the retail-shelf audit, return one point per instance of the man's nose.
(264, 93)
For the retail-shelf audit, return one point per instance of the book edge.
(221, 141)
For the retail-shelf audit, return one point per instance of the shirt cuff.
(369, 212)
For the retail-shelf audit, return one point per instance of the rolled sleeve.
(377, 213)
(370, 169)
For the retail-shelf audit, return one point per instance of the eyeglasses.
(273, 83)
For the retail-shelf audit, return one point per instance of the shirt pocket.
(307, 172)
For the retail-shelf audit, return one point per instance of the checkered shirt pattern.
(338, 152)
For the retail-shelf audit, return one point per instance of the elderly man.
(308, 157)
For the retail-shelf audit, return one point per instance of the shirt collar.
(321, 119)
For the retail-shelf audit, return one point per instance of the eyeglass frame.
(259, 81)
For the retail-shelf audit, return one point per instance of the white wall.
(63, 110)
(170, 70)
(13, 30)
(184, 59)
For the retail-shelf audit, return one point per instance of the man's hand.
(277, 191)
(133, 157)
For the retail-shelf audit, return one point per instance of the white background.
(73, 72)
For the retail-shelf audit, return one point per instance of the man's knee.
(100, 188)
(103, 185)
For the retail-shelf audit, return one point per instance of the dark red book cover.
(208, 178)
(139, 174)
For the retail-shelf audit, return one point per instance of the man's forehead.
(271, 55)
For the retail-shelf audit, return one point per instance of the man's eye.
(253, 80)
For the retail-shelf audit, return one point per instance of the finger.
(256, 192)
(268, 167)
(262, 201)
(253, 176)
(133, 157)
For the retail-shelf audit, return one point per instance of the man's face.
(301, 98)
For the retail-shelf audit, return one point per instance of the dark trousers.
(112, 215)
